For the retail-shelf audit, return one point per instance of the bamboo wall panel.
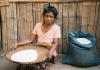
(23, 26)
(98, 28)
(12, 26)
(4, 28)
(4, 2)
(0, 36)
(19, 19)
(0, 31)
(89, 15)
(91, 18)
(78, 17)
(53, 1)
(65, 26)
(98, 23)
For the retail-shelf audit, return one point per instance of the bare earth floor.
(8, 65)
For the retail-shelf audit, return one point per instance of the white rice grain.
(25, 56)
(83, 40)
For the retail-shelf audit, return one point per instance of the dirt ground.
(8, 65)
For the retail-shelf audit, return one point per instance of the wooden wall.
(19, 19)
(4, 2)
(4, 5)
(98, 30)
(0, 31)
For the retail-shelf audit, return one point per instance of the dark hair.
(50, 8)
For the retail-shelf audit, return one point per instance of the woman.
(46, 32)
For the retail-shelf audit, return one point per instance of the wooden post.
(98, 29)
(0, 30)
(4, 28)
(12, 26)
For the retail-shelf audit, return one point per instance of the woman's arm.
(55, 44)
(44, 44)
(54, 47)
(33, 37)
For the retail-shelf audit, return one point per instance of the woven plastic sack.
(79, 54)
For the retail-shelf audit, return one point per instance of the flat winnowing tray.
(41, 51)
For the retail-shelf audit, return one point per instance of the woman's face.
(48, 18)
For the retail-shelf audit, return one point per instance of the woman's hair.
(50, 8)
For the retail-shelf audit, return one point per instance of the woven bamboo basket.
(41, 51)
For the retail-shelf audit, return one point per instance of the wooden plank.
(72, 16)
(12, 26)
(96, 17)
(38, 12)
(22, 20)
(18, 21)
(29, 19)
(7, 24)
(78, 24)
(25, 22)
(86, 18)
(0, 37)
(91, 18)
(41, 0)
(63, 1)
(4, 3)
(33, 15)
(65, 26)
(25, 25)
(98, 23)
(69, 20)
(98, 46)
(98, 28)
(19, 7)
(0, 30)
(85, 13)
(5, 20)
